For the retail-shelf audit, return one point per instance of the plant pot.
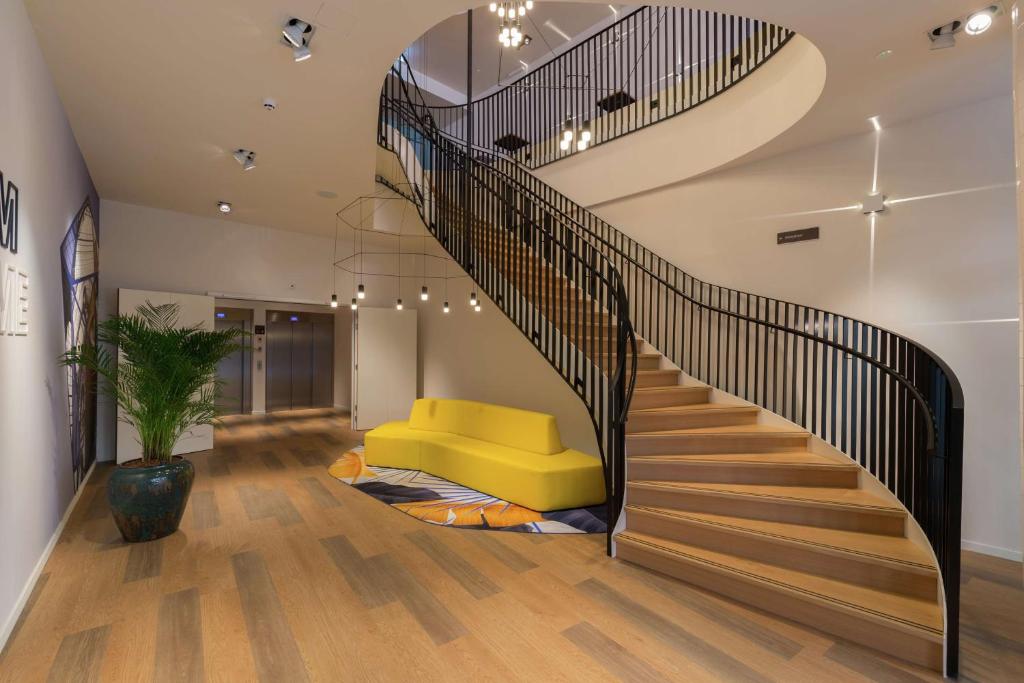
(148, 501)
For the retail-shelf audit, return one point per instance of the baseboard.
(12, 618)
(994, 550)
(258, 412)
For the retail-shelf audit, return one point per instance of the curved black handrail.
(888, 402)
(562, 292)
(651, 65)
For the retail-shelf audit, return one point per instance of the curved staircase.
(794, 459)
(719, 497)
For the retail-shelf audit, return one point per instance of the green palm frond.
(166, 380)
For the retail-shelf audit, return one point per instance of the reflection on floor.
(281, 573)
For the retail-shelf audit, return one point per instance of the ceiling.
(160, 93)
(440, 53)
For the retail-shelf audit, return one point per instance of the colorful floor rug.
(439, 501)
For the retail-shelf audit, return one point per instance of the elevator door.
(234, 374)
(300, 360)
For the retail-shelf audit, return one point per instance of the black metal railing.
(886, 401)
(562, 293)
(651, 65)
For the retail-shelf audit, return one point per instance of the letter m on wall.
(8, 215)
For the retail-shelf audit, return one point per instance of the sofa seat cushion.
(393, 444)
(542, 482)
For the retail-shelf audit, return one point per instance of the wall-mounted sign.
(13, 282)
(802, 235)
(8, 215)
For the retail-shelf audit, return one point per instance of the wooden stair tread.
(695, 407)
(922, 615)
(889, 548)
(731, 430)
(800, 494)
(771, 458)
(677, 387)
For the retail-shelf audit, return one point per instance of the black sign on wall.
(8, 215)
(801, 235)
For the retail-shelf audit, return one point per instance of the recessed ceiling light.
(980, 21)
(224, 207)
(884, 54)
(327, 194)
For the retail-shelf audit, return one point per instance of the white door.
(193, 309)
(384, 366)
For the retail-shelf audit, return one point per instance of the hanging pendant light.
(472, 299)
(360, 292)
(446, 308)
(424, 295)
(398, 305)
(334, 300)
(585, 134)
(510, 28)
(354, 305)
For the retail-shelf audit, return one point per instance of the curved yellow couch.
(512, 454)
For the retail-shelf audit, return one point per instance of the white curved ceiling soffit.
(160, 94)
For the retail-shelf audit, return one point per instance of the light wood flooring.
(281, 573)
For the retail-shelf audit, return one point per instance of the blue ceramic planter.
(148, 502)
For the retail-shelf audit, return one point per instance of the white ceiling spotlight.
(245, 158)
(973, 24)
(224, 207)
(297, 34)
(980, 21)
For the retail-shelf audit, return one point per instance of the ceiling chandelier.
(510, 27)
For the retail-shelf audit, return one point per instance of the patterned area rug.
(439, 501)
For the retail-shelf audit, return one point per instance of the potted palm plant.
(165, 384)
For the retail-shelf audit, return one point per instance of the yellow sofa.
(515, 455)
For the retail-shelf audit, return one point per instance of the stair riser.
(665, 399)
(831, 618)
(891, 577)
(851, 518)
(743, 473)
(667, 378)
(657, 422)
(692, 444)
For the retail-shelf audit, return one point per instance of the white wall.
(942, 270)
(38, 153)
(480, 356)
(155, 249)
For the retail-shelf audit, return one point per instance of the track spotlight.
(360, 292)
(245, 158)
(398, 305)
(224, 207)
(295, 31)
(301, 54)
(981, 21)
(334, 300)
(424, 295)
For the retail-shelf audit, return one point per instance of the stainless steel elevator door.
(300, 360)
(234, 375)
(279, 366)
(323, 363)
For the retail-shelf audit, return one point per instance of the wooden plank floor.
(281, 573)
